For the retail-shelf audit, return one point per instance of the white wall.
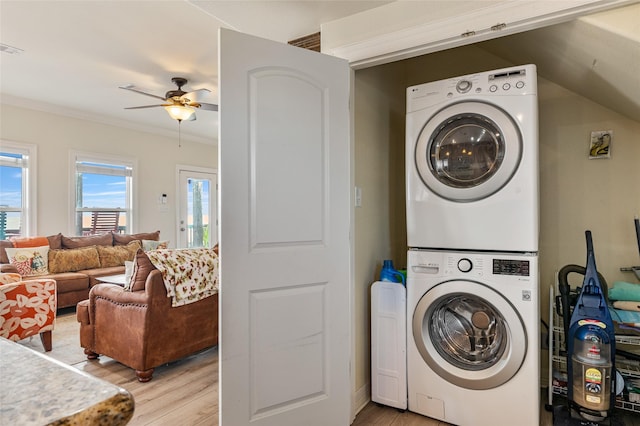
(55, 136)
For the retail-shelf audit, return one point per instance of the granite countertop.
(38, 390)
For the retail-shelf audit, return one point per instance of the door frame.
(214, 197)
(408, 30)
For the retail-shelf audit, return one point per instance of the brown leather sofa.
(139, 327)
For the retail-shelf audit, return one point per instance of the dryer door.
(469, 334)
(468, 151)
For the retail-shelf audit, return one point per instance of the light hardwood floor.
(186, 392)
(181, 393)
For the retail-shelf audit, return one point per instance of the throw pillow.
(154, 245)
(22, 242)
(116, 255)
(124, 239)
(71, 260)
(55, 241)
(8, 278)
(89, 240)
(4, 244)
(29, 260)
(141, 269)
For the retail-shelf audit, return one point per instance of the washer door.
(468, 151)
(469, 334)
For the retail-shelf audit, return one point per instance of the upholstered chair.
(138, 326)
(27, 308)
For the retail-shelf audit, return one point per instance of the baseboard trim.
(360, 398)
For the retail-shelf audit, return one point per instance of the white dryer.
(473, 337)
(472, 162)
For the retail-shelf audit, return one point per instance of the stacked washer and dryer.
(472, 267)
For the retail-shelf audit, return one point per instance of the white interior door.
(197, 211)
(284, 165)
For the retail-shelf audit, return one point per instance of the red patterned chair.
(27, 308)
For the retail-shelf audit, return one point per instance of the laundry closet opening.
(576, 194)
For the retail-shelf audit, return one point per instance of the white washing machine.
(473, 332)
(472, 162)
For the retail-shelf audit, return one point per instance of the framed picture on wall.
(600, 144)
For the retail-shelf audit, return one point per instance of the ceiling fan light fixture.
(180, 112)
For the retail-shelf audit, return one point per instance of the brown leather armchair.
(140, 328)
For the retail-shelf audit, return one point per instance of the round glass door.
(468, 151)
(469, 334)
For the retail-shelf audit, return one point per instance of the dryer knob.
(463, 86)
(465, 265)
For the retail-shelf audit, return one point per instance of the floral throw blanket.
(189, 274)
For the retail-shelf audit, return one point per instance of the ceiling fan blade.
(195, 94)
(136, 89)
(209, 107)
(148, 106)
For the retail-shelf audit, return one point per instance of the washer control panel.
(486, 267)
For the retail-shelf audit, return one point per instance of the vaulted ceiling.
(597, 56)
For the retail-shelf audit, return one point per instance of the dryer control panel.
(513, 81)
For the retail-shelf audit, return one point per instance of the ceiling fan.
(179, 104)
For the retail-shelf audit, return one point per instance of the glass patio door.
(197, 220)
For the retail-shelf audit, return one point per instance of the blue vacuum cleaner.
(590, 351)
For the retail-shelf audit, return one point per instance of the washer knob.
(465, 265)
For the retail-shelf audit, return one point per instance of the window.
(17, 189)
(103, 194)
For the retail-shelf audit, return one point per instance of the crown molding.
(101, 119)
